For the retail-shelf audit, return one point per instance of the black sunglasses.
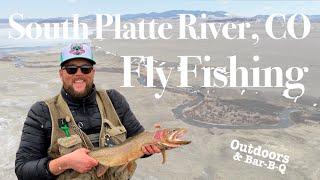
(85, 69)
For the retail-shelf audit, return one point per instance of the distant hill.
(24, 20)
(263, 18)
(174, 14)
(219, 16)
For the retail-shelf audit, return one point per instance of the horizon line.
(6, 18)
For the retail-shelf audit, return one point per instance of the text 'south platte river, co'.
(189, 27)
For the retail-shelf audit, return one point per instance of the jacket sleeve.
(31, 157)
(127, 118)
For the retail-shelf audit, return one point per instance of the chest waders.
(111, 130)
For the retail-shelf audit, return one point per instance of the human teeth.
(79, 81)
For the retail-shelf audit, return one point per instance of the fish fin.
(101, 169)
(131, 167)
(122, 167)
(164, 156)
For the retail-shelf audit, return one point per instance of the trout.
(131, 149)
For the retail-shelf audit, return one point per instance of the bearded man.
(59, 132)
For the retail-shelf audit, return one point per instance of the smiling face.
(78, 84)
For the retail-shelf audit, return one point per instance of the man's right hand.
(78, 160)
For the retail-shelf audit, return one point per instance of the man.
(93, 118)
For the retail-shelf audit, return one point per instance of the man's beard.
(75, 94)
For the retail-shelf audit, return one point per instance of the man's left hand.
(149, 149)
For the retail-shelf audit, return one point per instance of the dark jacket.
(32, 158)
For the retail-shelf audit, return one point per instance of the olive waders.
(112, 130)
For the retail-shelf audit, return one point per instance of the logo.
(76, 49)
(259, 157)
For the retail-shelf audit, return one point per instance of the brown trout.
(131, 149)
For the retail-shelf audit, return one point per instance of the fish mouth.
(178, 137)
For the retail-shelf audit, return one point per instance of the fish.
(131, 149)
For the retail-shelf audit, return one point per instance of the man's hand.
(78, 160)
(149, 149)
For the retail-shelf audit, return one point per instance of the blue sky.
(56, 8)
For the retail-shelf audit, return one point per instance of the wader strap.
(59, 109)
(63, 105)
(110, 122)
(54, 114)
(109, 110)
(103, 114)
